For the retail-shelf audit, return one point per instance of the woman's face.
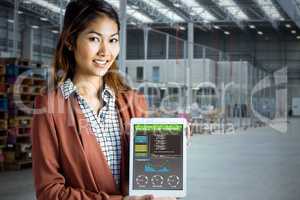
(97, 47)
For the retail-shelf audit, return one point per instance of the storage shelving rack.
(22, 85)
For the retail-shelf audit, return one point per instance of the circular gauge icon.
(173, 180)
(157, 180)
(141, 180)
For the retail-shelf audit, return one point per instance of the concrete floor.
(253, 164)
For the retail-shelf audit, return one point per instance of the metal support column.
(183, 95)
(252, 79)
(189, 66)
(15, 28)
(146, 37)
(123, 38)
(27, 44)
(203, 52)
(61, 15)
(41, 43)
(146, 91)
(240, 93)
(167, 46)
(167, 60)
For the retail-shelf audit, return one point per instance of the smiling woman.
(96, 51)
(90, 34)
(80, 127)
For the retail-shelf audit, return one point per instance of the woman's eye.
(114, 40)
(94, 39)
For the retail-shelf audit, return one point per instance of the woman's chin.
(102, 72)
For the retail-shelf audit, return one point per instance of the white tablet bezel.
(158, 193)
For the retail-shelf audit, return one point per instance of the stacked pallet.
(22, 85)
(3, 114)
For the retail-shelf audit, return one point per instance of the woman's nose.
(103, 49)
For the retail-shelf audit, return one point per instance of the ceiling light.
(252, 26)
(231, 7)
(11, 21)
(197, 9)
(226, 32)
(182, 28)
(260, 33)
(288, 26)
(43, 19)
(27, 1)
(139, 16)
(216, 27)
(293, 32)
(35, 27)
(193, 13)
(298, 37)
(48, 5)
(134, 7)
(116, 4)
(176, 4)
(55, 31)
(269, 9)
(165, 11)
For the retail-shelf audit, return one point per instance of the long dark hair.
(78, 14)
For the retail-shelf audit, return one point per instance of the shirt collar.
(68, 88)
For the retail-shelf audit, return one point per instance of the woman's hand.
(145, 197)
(148, 197)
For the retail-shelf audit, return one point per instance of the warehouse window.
(206, 91)
(3, 42)
(173, 91)
(155, 74)
(141, 90)
(139, 73)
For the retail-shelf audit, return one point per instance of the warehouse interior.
(230, 67)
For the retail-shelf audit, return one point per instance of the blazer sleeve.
(141, 106)
(49, 181)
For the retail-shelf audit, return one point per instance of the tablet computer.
(158, 157)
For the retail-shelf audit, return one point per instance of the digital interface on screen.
(158, 157)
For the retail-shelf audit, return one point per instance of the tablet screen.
(158, 157)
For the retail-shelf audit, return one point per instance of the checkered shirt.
(105, 125)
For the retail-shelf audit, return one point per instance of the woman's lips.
(100, 63)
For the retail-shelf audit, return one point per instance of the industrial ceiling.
(209, 13)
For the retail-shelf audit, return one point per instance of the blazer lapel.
(124, 117)
(98, 164)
